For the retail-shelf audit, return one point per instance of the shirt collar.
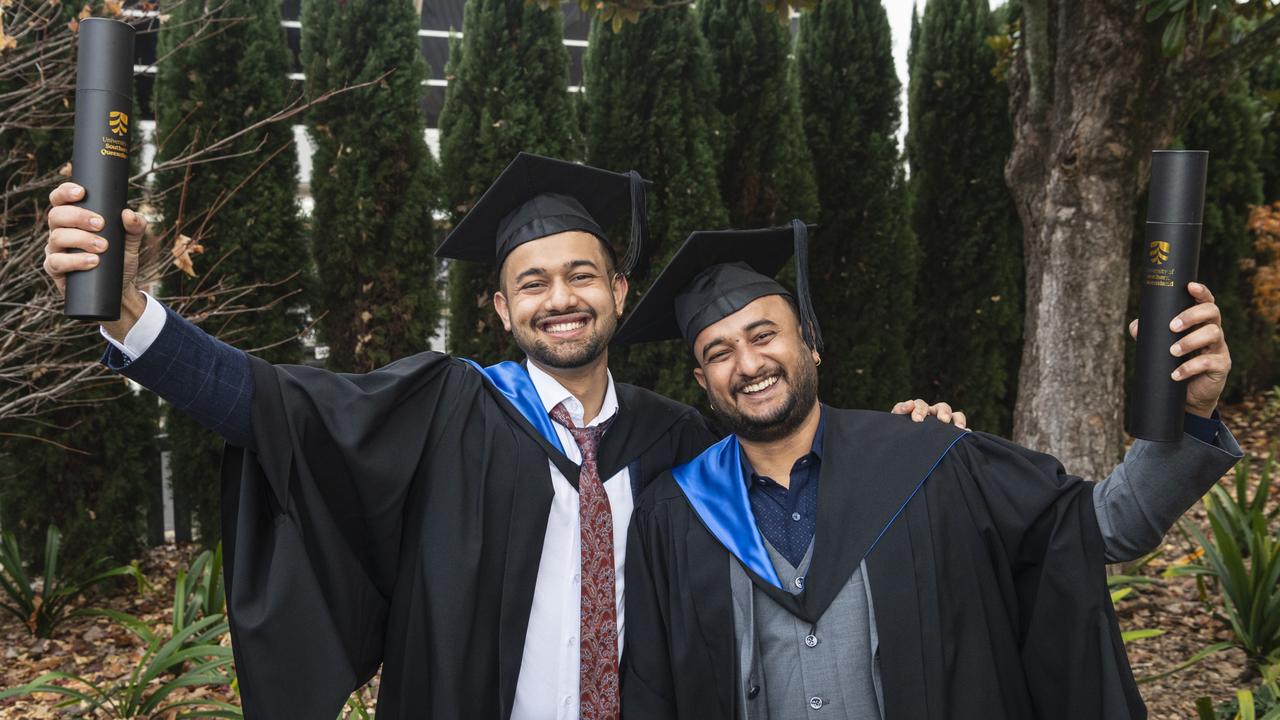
(552, 393)
(748, 472)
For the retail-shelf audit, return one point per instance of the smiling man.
(461, 527)
(822, 562)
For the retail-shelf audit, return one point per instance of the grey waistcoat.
(789, 669)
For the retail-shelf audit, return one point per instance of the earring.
(818, 361)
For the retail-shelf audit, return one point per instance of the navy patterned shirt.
(788, 517)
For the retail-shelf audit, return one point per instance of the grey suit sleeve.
(1157, 482)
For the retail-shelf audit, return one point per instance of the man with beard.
(462, 527)
(822, 562)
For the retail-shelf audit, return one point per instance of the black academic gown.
(986, 570)
(397, 518)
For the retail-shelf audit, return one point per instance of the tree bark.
(1091, 96)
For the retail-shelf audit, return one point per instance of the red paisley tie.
(598, 664)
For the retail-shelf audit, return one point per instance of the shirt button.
(799, 582)
(815, 703)
(811, 640)
(752, 692)
(795, 516)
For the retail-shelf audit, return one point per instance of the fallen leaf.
(183, 248)
(1188, 558)
(36, 602)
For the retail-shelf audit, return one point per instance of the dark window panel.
(432, 101)
(144, 41)
(576, 24)
(442, 15)
(436, 51)
(577, 56)
(293, 36)
(142, 90)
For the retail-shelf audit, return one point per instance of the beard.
(570, 355)
(781, 421)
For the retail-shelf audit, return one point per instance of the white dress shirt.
(547, 688)
(143, 333)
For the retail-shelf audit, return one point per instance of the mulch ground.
(94, 648)
(105, 652)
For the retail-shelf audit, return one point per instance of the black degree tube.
(1170, 260)
(100, 159)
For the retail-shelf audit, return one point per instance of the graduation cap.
(537, 196)
(715, 274)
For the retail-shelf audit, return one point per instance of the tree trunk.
(1080, 154)
(1091, 96)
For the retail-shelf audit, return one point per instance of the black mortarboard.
(715, 274)
(538, 196)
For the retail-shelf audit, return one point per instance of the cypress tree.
(1230, 128)
(242, 208)
(373, 179)
(913, 45)
(650, 105)
(864, 257)
(507, 92)
(969, 288)
(766, 174)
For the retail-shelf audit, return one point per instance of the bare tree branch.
(46, 360)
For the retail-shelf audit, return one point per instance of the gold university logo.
(118, 122)
(1159, 252)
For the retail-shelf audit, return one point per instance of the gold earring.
(818, 361)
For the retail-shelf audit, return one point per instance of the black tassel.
(635, 265)
(808, 318)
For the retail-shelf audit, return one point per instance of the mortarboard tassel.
(808, 318)
(635, 265)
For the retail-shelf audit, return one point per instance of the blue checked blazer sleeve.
(200, 375)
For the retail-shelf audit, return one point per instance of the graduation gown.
(396, 518)
(984, 559)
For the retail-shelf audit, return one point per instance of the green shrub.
(42, 610)
(1242, 559)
